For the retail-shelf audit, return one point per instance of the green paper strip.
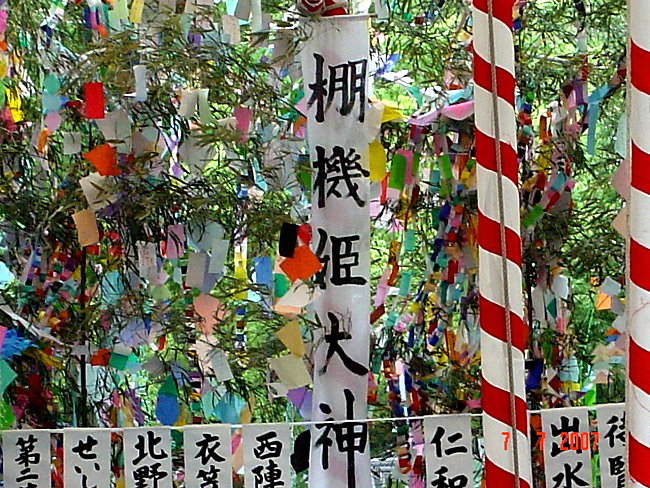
(533, 216)
(7, 416)
(168, 387)
(415, 166)
(434, 178)
(405, 283)
(391, 320)
(445, 167)
(281, 285)
(118, 361)
(7, 376)
(304, 178)
(397, 172)
(409, 240)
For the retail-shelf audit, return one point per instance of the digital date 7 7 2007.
(569, 441)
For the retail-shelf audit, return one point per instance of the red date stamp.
(569, 441)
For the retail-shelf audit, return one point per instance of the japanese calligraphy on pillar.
(207, 456)
(564, 466)
(267, 455)
(148, 458)
(335, 70)
(87, 458)
(26, 456)
(611, 445)
(448, 451)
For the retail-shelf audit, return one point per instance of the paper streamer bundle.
(638, 393)
(497, 175)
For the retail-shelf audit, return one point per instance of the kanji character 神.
(350, 437)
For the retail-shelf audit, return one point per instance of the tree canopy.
(196, 160)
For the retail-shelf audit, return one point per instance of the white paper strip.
(71, 143)
(189, 99)
(220, 366)
(256, 16)
(219, 254)
(191, 6)
(147, 458)
(243, 9)
(167, 6)
(94, 189)
(116, 126)
(335, 68)
(207, 456)
(230, 26)
(87, 457)
(267, 451)
(566, 464)
(195, 269)
(448, 450)
(147, 262)
(205, 113)
(26, 457)
(140, 73)
(611, 445)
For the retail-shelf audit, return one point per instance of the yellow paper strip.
(391, 113)
(292, 338)
(14, 103)
(135, 16)
(377, 156)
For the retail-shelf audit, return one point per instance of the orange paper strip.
(603, 302)
(302, 265)
(104, 158)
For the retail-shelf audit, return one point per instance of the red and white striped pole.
(503, 334)
(638, 286)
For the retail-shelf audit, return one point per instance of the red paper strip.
(243, 116)
(94, 97)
